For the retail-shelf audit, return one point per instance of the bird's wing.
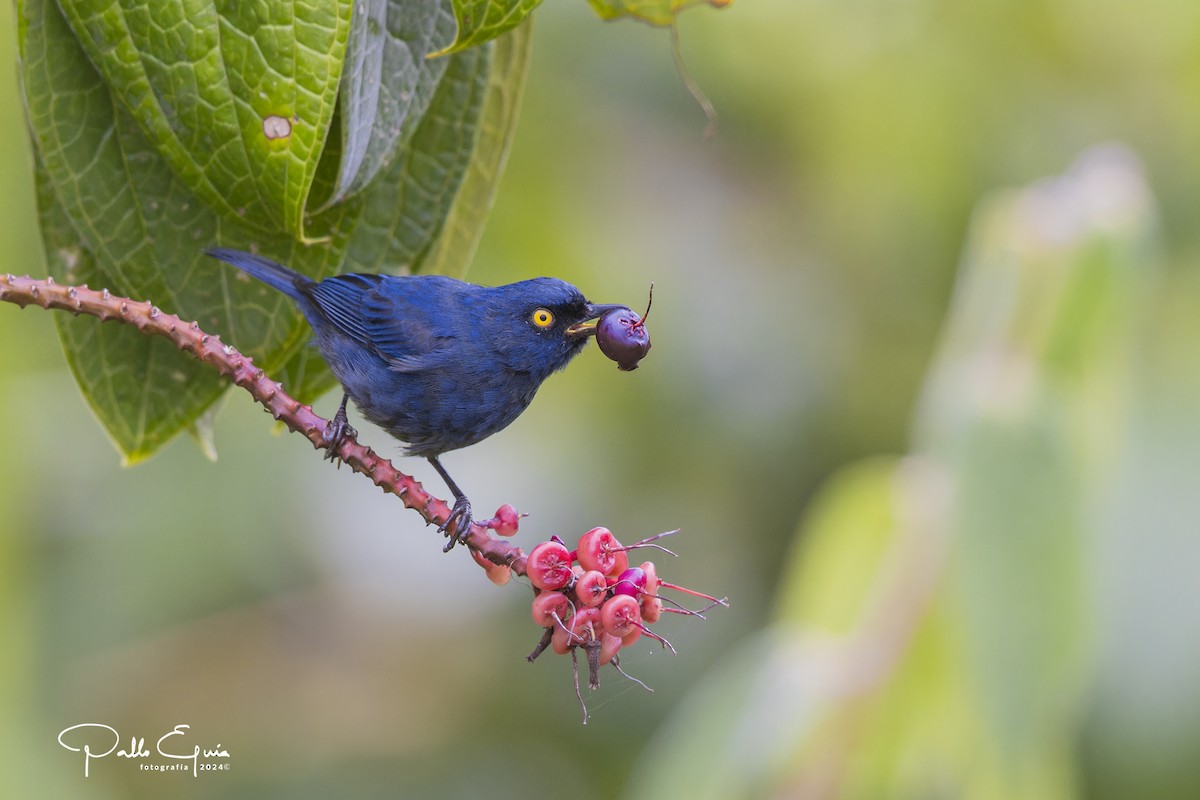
(382, 314)
(340, 300)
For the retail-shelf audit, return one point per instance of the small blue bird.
(436, 362)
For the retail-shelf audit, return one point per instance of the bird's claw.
(458, 525)
(336, 432)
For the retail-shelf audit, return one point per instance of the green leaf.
(405, 208)
(237, 97)
(480, 21)
(463, 226)
(655, 12)
(104, 359)
(387, 83)
(432, 181)
(115, 215)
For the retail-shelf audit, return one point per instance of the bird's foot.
(458, 525)
(336, 432)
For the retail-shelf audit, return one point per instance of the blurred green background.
(923, 397)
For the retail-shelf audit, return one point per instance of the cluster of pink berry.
(591, 598)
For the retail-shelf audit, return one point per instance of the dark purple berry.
(623, 337)
(631, 582)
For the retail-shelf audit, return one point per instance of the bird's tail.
(269, 272)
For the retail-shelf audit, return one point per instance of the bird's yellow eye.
(542, 318)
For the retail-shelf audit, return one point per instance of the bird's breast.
(442, 411)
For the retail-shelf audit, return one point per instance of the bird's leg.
(460, 515)
(337, 431)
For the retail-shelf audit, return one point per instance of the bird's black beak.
(582, 330)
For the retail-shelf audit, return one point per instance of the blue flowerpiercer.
(436, 362)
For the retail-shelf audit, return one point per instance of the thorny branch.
(238, 368)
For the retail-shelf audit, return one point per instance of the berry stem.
(649, 540)
(681, 609)
(558, 621)
(575, 678)
(616, 662)
(724, 601)
(646, 544)
(685, 611)
(547, 635)
(658, 536)
(661, 639)
(649, 303)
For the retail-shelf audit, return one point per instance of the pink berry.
(620, 563)
(620, 615)
(609, 645)
(497, 573)
(651, 605)
(549, 605)
(560, 641)
(598, 550)
(651, 573)
(651, 609)
(549, 566)
(591, 587)
(581, 628)
(506, 520)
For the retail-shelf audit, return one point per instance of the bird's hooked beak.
(582, 330)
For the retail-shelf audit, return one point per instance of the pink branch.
(187, 336)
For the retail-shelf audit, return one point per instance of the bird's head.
(546, 323)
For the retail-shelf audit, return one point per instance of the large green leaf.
(104, 359)
(407, 205)
(427, 215)
(454, 249)
(480, 21)
(236, 96)
(387, 83)
(143, 233)
(107, 193)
